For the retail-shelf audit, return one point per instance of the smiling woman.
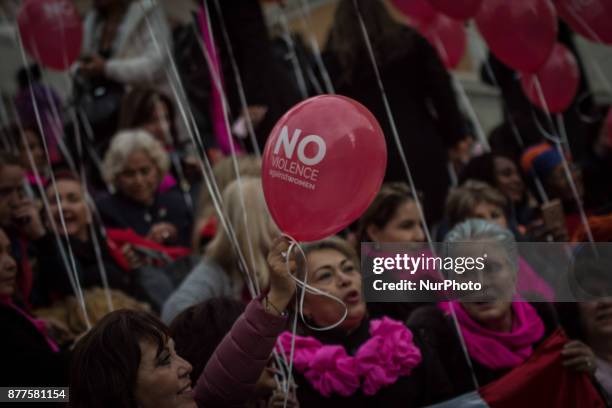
(128, 360)
(134, 165)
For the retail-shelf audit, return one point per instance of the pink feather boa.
(389, 354)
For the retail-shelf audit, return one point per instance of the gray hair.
(127, 142)
(480, 230)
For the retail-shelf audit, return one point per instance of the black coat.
(118, 211)
(52, 276)
(416, 84)
(438, 331)
(29, 360)
(428, 382)
(264, 79)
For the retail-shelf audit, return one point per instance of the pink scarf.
(500, 350)
(38, 324)
(222, 132)
(389, 354)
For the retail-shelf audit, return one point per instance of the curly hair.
(127, 142)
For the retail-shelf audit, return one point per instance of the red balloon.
(457, 9)
(323, 164)
(558, 77)
(590, 18)
(418, 11)
(448, 38)
(521, 33)
(51, 32)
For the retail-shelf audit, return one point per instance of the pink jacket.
(229, 378)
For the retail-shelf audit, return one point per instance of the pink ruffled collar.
(389, 354)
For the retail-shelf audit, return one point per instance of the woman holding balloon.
(343, 356)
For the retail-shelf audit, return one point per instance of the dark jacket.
(29, 360)
(416, 84)
(438, 331)
(118, 211)
(427, 383)
(264, 79)
(53, 270)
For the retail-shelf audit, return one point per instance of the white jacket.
(139, 50)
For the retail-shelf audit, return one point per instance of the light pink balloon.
(521, 33)
(51, 32)
(323, 164)
(590, 18)
(457, 9)
(559, 78)
(447, 36)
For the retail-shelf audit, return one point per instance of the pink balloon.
(521, 33)
(558, 77)
(323, 164)
(448, 38)
(51, 32)
(590, 18)
(416, 10)
(457, 9)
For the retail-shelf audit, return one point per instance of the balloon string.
(463, 96)
(295, 62)
(211, 184)
(391, 120)
(305, 13)
(583, 24)
(254, 271)
(305, 287)
(77, 285)
(515, 131)
(564, 162)
(91, 206)
(236, 71)
(405, 162)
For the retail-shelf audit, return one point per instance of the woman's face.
(163, 379)
(560, 186)
(491, 213)
(596, 318)
(508, 179)
(73, 207)
(331, 271)
(34, 145)
(8, 267)
(492, 304)
(139, 179)
(159, 125)
(404, 226)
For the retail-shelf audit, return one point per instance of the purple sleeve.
(231, 373)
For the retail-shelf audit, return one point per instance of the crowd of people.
(141, 267)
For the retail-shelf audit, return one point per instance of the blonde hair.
(224, 174)
(335, 243)
(127, 142)
(257, 235)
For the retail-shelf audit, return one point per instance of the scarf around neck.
(500, 350)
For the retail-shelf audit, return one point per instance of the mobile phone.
(552, 214)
